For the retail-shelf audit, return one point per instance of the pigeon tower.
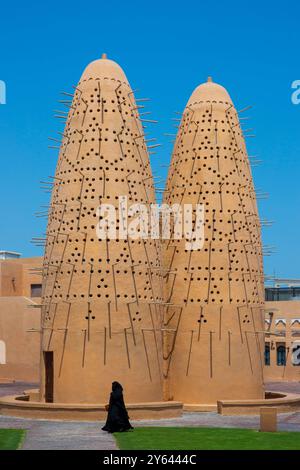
(101, 305)
(213, 337)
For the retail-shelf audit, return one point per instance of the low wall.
(192, 408)
(21, 406)
(27, 406)
(284, 402)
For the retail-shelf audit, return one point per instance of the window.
(267, 355)
(281, 356)
(2, 352)
(36, 290)
(282, 293)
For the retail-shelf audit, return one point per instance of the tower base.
(27, 406)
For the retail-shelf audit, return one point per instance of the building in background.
(282, 325)
(20, 292)
(9, 255)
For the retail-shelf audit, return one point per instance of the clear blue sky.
(166, 49)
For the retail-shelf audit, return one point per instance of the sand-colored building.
(282, 324)
(20, 292)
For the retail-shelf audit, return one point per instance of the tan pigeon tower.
(214, 317)
(101, 318)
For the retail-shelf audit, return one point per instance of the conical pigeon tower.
(215, 298)
(101, 318)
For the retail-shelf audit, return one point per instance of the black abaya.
(117, 418)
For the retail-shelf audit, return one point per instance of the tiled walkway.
(16, 388)
(286, 421)
(55, 435)
(60, 435)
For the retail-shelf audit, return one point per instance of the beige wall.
(17, 275)
(11, 278)
(21, 344)
(19, 320)
(284, 330)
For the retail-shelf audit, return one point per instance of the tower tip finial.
(209, 79)
(104, 56)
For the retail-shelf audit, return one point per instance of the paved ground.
(60, 435)
(16, 388)
(55, 435)
(289, 387)
(72, 435)
(286, 421)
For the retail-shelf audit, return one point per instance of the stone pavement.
(288, 387)
(60, 435)
(16, 388)
(286, 421)
(72, 435)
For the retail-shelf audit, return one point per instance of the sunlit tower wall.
(101, 305)
(214, 295)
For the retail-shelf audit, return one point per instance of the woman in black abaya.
(117, 418)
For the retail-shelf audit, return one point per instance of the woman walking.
(117, 418)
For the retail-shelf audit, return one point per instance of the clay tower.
(101, 316)
(214, 318)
